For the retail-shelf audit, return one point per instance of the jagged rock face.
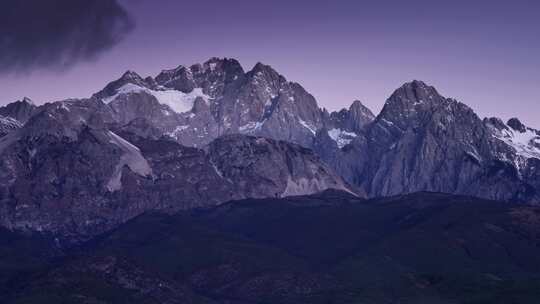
(353, 119)
(58, 176)
(216, 77)
(67, 173)
(288, 169)
(20, 110)
(423, 141)
(281, 109)
(199, 103)
(519, 149)
(340, 129)
(523, 142)
(8, 125)
(129, 77)
(142, 128)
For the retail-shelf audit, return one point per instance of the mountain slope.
(325, 248)
(423, 141)
(199, 103)
(70, 173)
(289, 169)
(420, 140)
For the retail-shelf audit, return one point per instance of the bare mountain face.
(14, 115)
(422, 141)
(68, 172)
(20, 110)
(289, 169)
(197, 104)
(8, 124)
(352, 120)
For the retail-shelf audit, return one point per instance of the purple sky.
(483, 53)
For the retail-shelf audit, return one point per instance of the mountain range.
(202, 135)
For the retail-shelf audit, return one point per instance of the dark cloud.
(55, 34)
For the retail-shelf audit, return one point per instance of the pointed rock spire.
(516, 124)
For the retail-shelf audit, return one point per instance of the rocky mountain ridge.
(422, 141)
(20, 110)
(67, 171)
(201, 135)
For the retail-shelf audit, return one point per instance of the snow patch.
(302, 186)
(179, 102)
(386, 121)
(131, 157)
(305, 186)
(307, 126)
(342, 138)
(219, 172)
(10, 122)
(178, 130)
(28, 100)
(63, 106)
(251, 127)
(474, 154)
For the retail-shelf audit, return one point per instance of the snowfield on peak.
(178, 101)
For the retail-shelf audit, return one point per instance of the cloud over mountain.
(56, 34)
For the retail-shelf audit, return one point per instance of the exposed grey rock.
(422, 141)
(129, 77)
(516, 124)
(65, 172)
(216, 77)
(142, 128)
(288, 169)
(353, 119)
(20, 110)
(8, 124)
(221, 99)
